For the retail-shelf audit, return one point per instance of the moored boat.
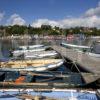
(41, 54)
(92, 51)
(25, 49)
(30, 47)
(31, 65)
(20, 52)
(75, 46)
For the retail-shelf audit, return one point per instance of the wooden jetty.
(83, 59)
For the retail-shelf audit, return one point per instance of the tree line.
(46, 30)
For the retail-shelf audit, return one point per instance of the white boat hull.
(20, 52)
(75, 46)
(30, 47)
(41, 54)
(94, 55)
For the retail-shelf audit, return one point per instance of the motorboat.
(92, 51)
(31, 65)
(75, 46)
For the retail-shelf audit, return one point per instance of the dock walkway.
(87, 62)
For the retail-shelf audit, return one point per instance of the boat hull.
(48, 66)
(41, 54)
(75, 46)
(20, 52)
(93, 55)
(30, 47)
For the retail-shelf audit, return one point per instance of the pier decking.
(87, 62)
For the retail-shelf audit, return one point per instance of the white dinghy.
(40, 54)
(24, 49)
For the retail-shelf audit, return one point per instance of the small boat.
(30, 47)
(41, 54)
(31, 65)
(75, 46)
(93, 50)
(25, 49)
(20, 52)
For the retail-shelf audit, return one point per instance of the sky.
(61, 13)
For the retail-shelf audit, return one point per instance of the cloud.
(93, 21)
(93, 11)
(85, 22)
(40, 22)
(1, 15)
(15, 19)
(91, 18)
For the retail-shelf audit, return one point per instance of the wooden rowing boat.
(31, 65)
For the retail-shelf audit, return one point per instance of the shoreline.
(41, 37)
(34, 37)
